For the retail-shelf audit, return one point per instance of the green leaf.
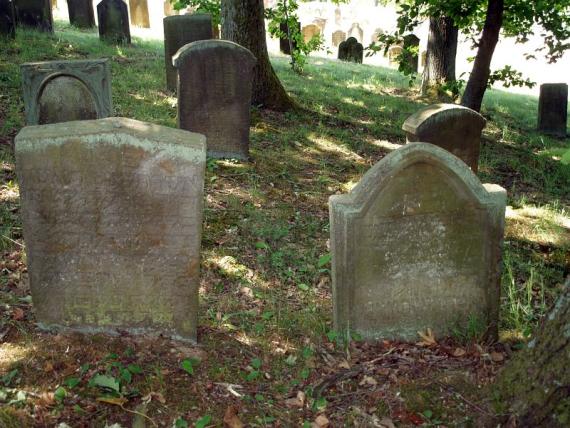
(261, 245)
(180, 423)
(428, 414)
(320, 403)
(256, 363)
(324, 260)
(305, 373)
(104, 381)
(203, 421)
(267, 315)
(72, 382)
(9, 377)
(303, 287)
(252, 375)
(60, 393)
(134, 369)
(188, 366)
(332, 335)
(291, 360)
(126, 375)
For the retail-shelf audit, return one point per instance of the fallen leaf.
(344, 365)
(428, 338)
(387, 423)
(368, 380)
(497, 356)
(17, 314)
(231, 419)
(48, 367)
(458, 352)
(298, 401)
(117, 401)
(321, 422)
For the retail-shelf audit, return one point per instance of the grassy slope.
(264, 295)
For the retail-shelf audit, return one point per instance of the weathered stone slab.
(410, 52)
(112, 215)
(553, 109)
(416, 245)
(139, 13)
(455, 128)
(350, 50)
(338, 37)
(214, 94)
(284, 45)
(179, 31)
(62, 91)
(34, 13)
(113, 16)
(310, 31)
(81, 13)
(7, 19)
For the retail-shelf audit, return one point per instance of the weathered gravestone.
(180, 30)
(62, 91)
(113, 17)
(112, 214)
(455, 128)
(7, 19)
(553, 109)
(310, 31)
(214, 94)
(34, 13)
(139, 13)
(416, 245)
(81, 13)
(338, 37)
(351, 50)
(284, 45)
(410, 51)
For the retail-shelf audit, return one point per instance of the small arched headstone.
(411, 41)
(452, 127)
(350, 50)
(179, 30)
(81, 13)
(113, 16)
(338, 37)
(310, 31)
(214, 94)
(416, 245)
(7, 19)
(35, 14)
(63, 91)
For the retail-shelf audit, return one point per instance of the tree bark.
(477, 84)
(243, 23)
(536, 384)
(441, 52)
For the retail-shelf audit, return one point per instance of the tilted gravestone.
(351, 50)
(180, 30)
(34, 13)
(112, 215)
(214, 94)
(139, 13)
(409, 52)
(62, 91)
(553, 109)
(113, 16)
(284, 45)
(81, 13)
(416, 245)
(455, 128)
(7, 19)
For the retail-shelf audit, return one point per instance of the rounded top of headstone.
(189, 17)
(435, 114)
(212, 45)
(351, 40)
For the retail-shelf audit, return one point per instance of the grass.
(265, 292)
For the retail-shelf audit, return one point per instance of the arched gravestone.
(62, 91)
(81, 13)
(284, 41)
(356, 32)
(7, 19)
(112, 215)
(416, 245)
(394, 53)
(113, 16)
(180, 30)
(452, 127)
(139, 13)
(411, 41)
(338, 37)
(34, 13)
(310, 31)
(553, 109)
(351, 50)
(214, 94)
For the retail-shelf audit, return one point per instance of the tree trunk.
(536, 384)
(441, 51)
(243, 23)
(477, 84)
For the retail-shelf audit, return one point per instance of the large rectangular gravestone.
(214, 94)
(7, 19)
(139, 13)
(180, 30)
(416, 245)
(35, 14)
(112, 215)
(113, 16)
(553, 109)
(81, 13)
(62, 91)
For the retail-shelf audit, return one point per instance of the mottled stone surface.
(411, 41)
(34, 13)
(61, 91)
(113, 16)
(553, 109)
(81, 13)
(179, 31)
(455, 128)
(139, 13)
(416, 245)
(214, 94)
(351, 50)
(310, 31)
(284, 45)
(338, 37)
(7, 19)
(112, 215)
